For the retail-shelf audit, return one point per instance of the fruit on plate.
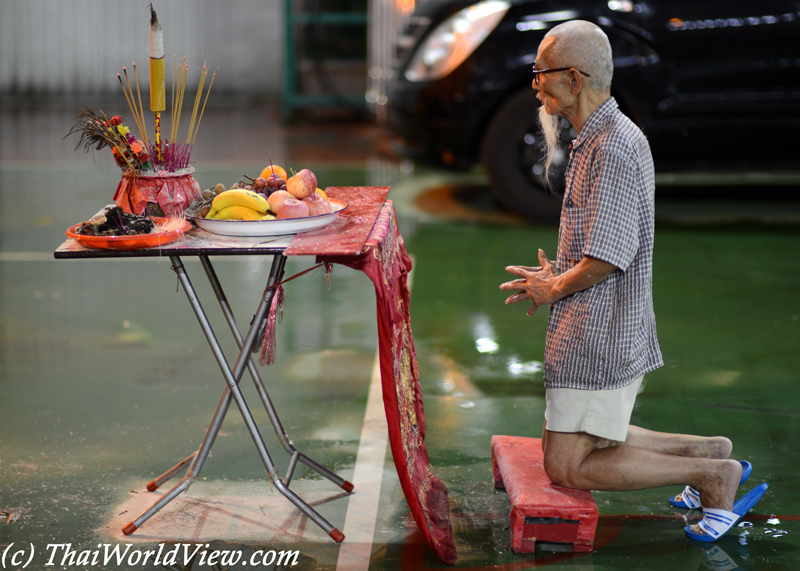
(317, 205)
(264, 196)
(276, 199)
(302, 184)
(238, 197)
(293, 208)
(237, 212)
(273, 170)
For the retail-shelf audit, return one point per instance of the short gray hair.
(584, 46)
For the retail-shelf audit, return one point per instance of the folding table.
(203, 245)
(364, 237)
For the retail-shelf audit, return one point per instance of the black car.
(714, 85)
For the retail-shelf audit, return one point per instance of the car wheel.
(512, 156)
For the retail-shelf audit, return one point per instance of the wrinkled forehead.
(543, 54)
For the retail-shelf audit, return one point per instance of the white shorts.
(603, 413)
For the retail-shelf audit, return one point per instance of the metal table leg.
(283, 438)
(232, 390)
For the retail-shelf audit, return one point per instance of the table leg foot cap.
(152, 486)
(347, 486)
(130, 528)
(336, 535)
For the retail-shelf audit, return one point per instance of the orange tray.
(158, 237)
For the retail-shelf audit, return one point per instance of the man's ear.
(575, 81)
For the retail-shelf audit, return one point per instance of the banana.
(238, 197)
(237, 212)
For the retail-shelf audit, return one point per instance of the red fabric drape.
(386, 262)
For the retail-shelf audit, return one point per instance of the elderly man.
(601, 336)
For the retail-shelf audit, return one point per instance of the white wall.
(79, 46)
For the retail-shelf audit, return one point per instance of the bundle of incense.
(195, 122)
(170, 155)
(136, 110)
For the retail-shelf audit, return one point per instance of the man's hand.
(543, 285)
(534, 284)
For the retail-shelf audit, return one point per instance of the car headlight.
(455, 39)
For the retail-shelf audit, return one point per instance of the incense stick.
(176, 91)
(131, 104)
(141, 108)
(182, 73)
(138, 117)
(213, 75)
(196, 104)
(128, 99)
(172, 113)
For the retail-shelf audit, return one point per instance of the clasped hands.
(535, 284)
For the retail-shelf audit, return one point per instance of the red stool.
(541, 511)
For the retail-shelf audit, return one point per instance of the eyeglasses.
(538, 72)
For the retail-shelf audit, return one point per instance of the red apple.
(302, 184)
(292, 208)
(317, 205)
(276, 199)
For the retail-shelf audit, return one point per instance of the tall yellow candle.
(157, 81)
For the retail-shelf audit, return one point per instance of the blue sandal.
(691, 498)
(716, 523)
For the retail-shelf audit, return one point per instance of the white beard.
(551, 131)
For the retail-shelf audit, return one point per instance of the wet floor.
(106, 381)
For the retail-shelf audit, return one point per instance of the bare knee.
(724, 447)
(564, 454)
(562, 471)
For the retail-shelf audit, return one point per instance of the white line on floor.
(362, 509)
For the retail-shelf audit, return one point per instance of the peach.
(302, 184)
(317, 205)
(293, 208)
(276, 199)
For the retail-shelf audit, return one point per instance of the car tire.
(512, 157)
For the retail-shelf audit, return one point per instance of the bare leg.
(574, 460)
(688, 445)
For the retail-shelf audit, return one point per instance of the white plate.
(270, 227)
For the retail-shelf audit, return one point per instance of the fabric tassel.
(327, 276)
(267, 356)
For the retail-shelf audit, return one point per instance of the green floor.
(106, 380)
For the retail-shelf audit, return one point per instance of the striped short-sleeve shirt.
(604, 337)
